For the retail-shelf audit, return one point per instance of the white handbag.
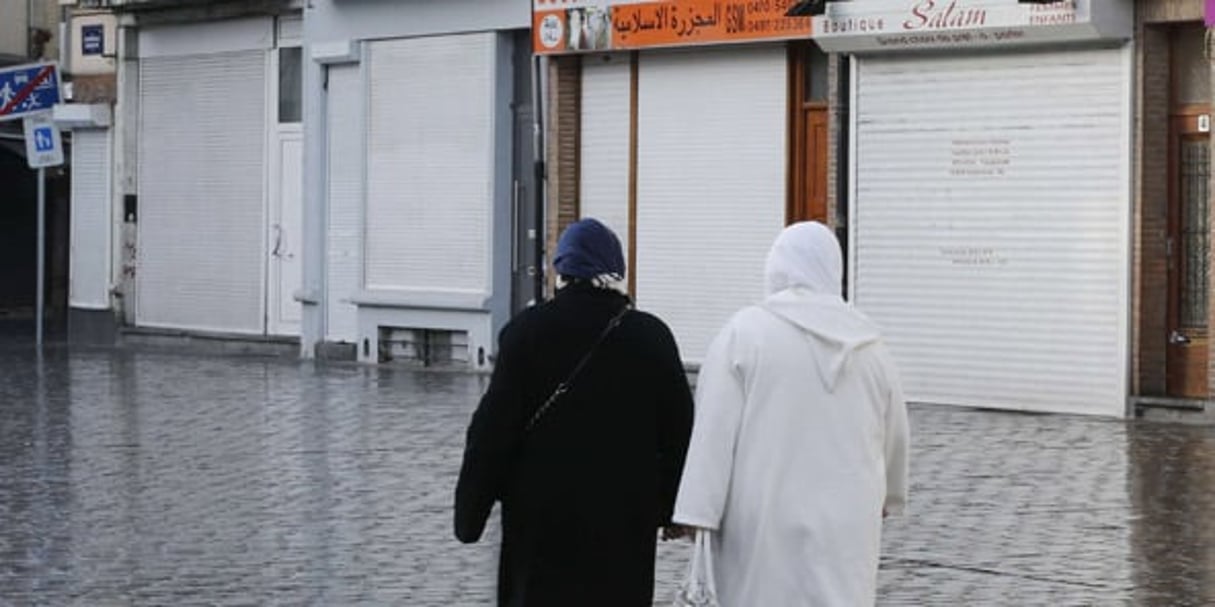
(698, 588)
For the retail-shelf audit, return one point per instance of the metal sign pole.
(31, 92)
(41, 294)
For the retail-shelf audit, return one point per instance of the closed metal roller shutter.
(202, 142)
(605, 143)
(430, 164)
(711, 184)
(92, 222)
(992, 225)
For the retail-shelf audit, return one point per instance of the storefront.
(991, 202)
(218, 173)
(1173, 207)
(419, 128)
(688, 127)
(89, 118)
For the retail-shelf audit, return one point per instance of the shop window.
(1195, 231)
(290, 85)
(1191, 67)
(814, 62)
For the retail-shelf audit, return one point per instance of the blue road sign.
(28, 89)
(92, 40)
(44, 139)
(43, 143)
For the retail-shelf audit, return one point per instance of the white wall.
(330, 20)
(13, 28)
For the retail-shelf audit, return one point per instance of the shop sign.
(573, 26)
(892, 25)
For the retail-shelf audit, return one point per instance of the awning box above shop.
(902, 25)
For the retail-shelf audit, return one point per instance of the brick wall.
(564, 144)
(101, 88)
(1150, 262)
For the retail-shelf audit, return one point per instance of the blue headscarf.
(589, 250)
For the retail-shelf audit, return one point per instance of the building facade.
(1013, 219)
(1022, 188)
(696, 131)
(420, 165)
(990, 162)
(30, 31)
(1172, 240)
(186, 206)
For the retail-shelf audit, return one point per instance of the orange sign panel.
(588, 27)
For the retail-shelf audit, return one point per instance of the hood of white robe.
(804, 282)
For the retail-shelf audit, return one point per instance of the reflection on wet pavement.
(152, 479)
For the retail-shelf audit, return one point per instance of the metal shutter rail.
(711, 184)
(992, 225)
(344, 247)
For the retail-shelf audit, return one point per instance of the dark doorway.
(1189, 210)
(18, 224)
(18, 242)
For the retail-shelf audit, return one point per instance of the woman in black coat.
(585, 490)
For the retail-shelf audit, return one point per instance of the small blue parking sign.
(43, 143)
(44, 139)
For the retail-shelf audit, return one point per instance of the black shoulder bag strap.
(564, 386)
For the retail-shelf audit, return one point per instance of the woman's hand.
(676, 532)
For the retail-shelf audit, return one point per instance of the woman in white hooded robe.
(799, 447)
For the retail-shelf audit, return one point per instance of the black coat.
(584, 494)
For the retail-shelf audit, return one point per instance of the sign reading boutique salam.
(880, 24)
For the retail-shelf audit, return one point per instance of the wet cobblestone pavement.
(152, 479)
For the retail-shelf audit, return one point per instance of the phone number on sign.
(756, 18)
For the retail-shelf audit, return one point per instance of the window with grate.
(1195, 231)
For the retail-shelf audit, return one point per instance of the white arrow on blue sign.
(28, 89)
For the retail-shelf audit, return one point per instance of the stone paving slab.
(154, 479)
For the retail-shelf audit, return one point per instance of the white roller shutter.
(431, 164)
(992, 225)
(344, 248)
(605, 143)
(711, 184)
(91, 220)
(202, 140)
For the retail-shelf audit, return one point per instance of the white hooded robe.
(800, 440)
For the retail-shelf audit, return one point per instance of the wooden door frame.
(1182, 126)
(797, 144)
